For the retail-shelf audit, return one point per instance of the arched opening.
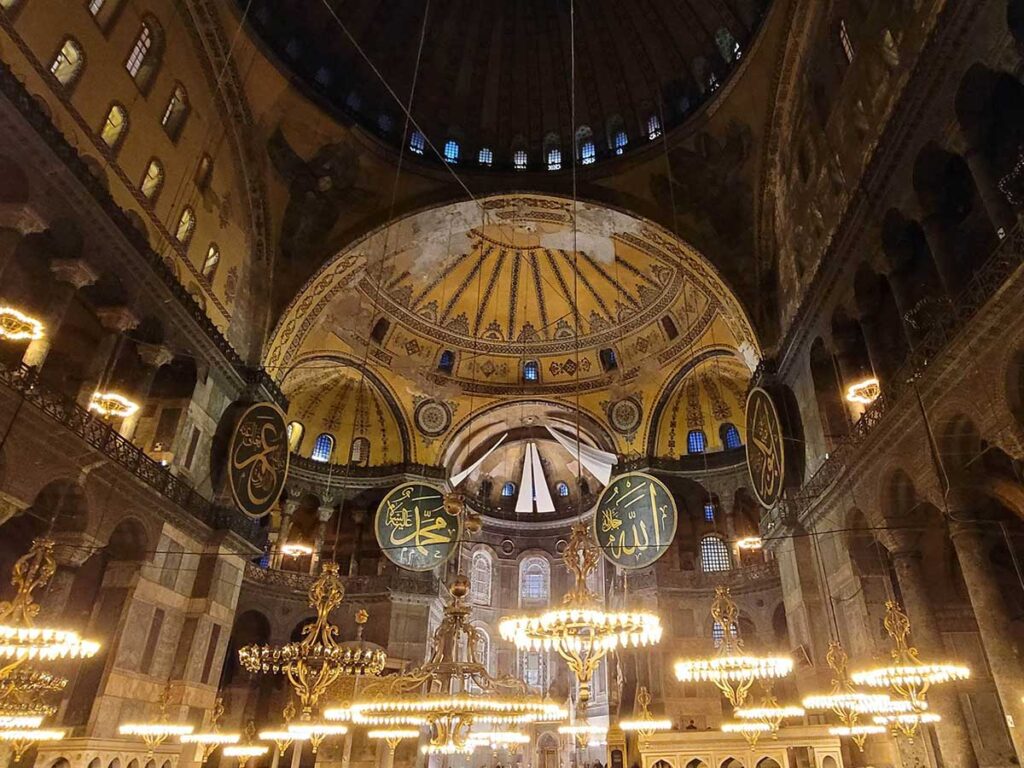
(852, 357)
(245, 693)
(832, 411)
(916, 287)
(880, 321)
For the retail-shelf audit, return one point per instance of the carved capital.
(155, 356)
(75, 272)
(23, 218)
(117, 319)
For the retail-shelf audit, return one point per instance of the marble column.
(995, 202)
(116, 321)
(71, 276)
(990, 611)
(153, 358)
(953, 736)
(322, 516)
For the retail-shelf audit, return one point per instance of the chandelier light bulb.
(17, 326)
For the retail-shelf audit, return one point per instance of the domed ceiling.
(496, 73)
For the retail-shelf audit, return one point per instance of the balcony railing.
(404, 583)
(941, 331)
(99, 434)
(735, 577)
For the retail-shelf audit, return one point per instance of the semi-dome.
(494, 75)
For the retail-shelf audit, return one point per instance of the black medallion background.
(413, 529)
(257, 464)
(635, 520)
(766, 455)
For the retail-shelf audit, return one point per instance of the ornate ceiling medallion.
(432, 417)
(625, 415)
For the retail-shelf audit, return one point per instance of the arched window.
(608, 360)
(115, 126)
(714, 555)
(483, 648)
(617, 138)
(175, 112)
(211, 261)
(669, 326)
(519, 159)
(845, 42)
(186, 226)
(480, 579)
(360, 453)
(534, 580)
(531, 371)
(417, 142)
(730, 436)
(508, 490)
(447, 362)
(68, 63)
(562, 489)
(323, 447)
(379, 330)
(709, 511)
(696, 441)
(586, 151)
(554, 159)
(153, 180)
(653, 127)
(204, 172)
(485, 157)
(144, 58)
(451, 151)
(295, 430)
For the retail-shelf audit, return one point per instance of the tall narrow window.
(186, 226)
(608, 359)
(714, 555)
(696, 441)
(485, 157)
(554, 159)
(115, 126)
(519, 159)
(153, 180)
(709, 511)
(727, 45)
(588, 152)
(619, 142)
(417, 142)
(669, 326)
(379, 330)
(211, 261)
(562, 489)
(295, 430)
(67, 64)
(508, 489)
(480, 589)
(360, 453)
(323, 448)
(447, 362)
(844, 40)
(653, 127)
(451, 151)
(175, 112)
(204, 172)
(730, 436)
(144, 57)
(531, 371)
(534, 577)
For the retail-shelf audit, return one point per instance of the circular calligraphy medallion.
(625, 415)
(413, 528)
(635, 520)
(258, 458)
(433, 417)
(765, 447)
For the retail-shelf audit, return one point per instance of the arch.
(176, 112)
(295, 431)
(653, 126)
(520, 160)
(730, 436)
(586, 150)
(553, 152)
(446, 363)
(95, 763)
(60, 762)
(696, 441)
(608, 358)
(146, 53)
(251, 626)
(852, 357)
(379, 330)
(534, 580)
(485, 157)
(696, 763)
(562, 489)
(714, 554)
(880, 319)
(204, 172)
(959, 443)
(360, 451)
(152, 180)
(323, 447)
(508, 489)
(829, 762)
(768, 762)
(115, 127)
(912, 271)
(481, 574)
(731, 762)
(662, 764)
(186, 226)
(618, 139)
(451, 151)
(531, 371)
(129, 542)
(68, 62)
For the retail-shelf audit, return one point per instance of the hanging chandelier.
(245, 751)
(751, 730)
(510, 740)
(315, 663)
(156, 732)
(451, 691)
(392, 736)
(280, 735)
(731, 670)
(21, 739)
(315, 731)
(584, 733)
(581, 630)
(111, 405)
(17, 326)
(209, 741)
(645, 724)
(907, 723)
(908, 676)
(848, 704)
(770, 712)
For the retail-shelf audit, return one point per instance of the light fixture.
(511, 740)
(111, 405)
(20, 721)
(751, 730)
(280, 735)
(584, 733)
(858, 733)
(392, 737)
(448, 748)
(245, 751)
(908, 676)
(731, 670)
(864, 392)
(581, 630)
(316, 662)
(21, 739)
(645, 724)
(452, 690)
(749, 543)
(296, 549)
(17, 326)
(155, 733)
(770, 713)
(906, 724)
(315, 732)
(210, 740)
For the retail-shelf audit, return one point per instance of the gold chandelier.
(751, 730)
(769, 712)
(581, 630)
(156, 732)
(513, 741)
(731, 670)
(17, 326)
(209, 741)
(21, 739)
(451, 691)
(392, 737)
(645, 724)
(316, 662)
(245, 751)
(584, 733)
(111, 405)
(908, 676)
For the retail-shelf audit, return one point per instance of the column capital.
(155, 355)
(117, 319)
(288, 507)
(323, 514)
(23, 218)
(75, 272)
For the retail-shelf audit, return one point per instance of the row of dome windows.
(561, 489)
(142, 65)
(323, 446)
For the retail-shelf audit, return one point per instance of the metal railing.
(99, 434)
(403, 583)
(734, 577)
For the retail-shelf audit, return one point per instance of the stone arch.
(696, 763)
(768, 762)
(832, 411)
(663, 764)
(731, 762)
